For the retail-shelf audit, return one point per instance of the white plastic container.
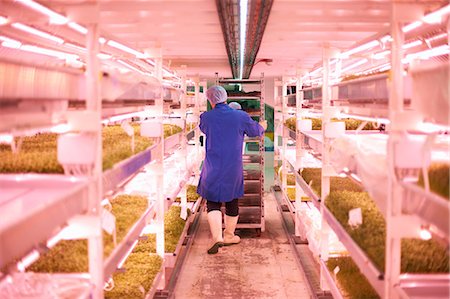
(151, 128)
(304, 125)
(335, 129)
(410, 152)
(78, 149)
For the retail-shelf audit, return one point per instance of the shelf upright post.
(184, 153)
(326, 166)
(197, 117)
(276, 117)
(202, 95)
(299, 152)
(393, 204)
(262, 152)
(94, 104)
(284, 111)
(159, 171)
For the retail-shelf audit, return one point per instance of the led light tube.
(363, 47)
(151, 62)
(436, 37)
(381, 55)
(48, 52)
(75, 47)
(10, 43)
(37, 32)
(436, 16)
(412, 26)
(126, 49)
(130, 67)
(243, 5)
(78, 27)
(412, 44)
(356, 64)
(55, 17)
(438, 51)
(3, 20)
(104, 56)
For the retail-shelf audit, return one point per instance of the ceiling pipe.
(228, 15)
(258, 16)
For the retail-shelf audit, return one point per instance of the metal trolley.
(251, 205)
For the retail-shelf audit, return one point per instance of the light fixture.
(61, 128)
(169, 73)
(333, 61)
(315, 71)
(104, 56)
(152, 62)
(76, 47)
(9, 42)
(385, 68)
(436, 37)
(412, 26)
(438, 51)
(243, 6)
(27, 260)
(55, 18)
(48, 52)
(386, 38)
(12, 45)
(124, 48)
(356, 64)
(130, 66)
(6, 138)
(412, 44)
(425, 234)
(102, 40)
(37, 32)
(358, 49)
(77, 27)
(3, 20)
(381, 55)
(436, 16)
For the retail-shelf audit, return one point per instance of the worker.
(235, 106)
(221, 178)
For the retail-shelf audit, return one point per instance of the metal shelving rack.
(251, 205)
(402, 221)
(70, 204)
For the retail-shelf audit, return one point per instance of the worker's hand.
(263, 124)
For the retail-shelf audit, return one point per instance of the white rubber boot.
(229, 238)
(215, 226)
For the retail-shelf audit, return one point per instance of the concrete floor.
(258, 267)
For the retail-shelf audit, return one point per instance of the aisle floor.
(258, 267)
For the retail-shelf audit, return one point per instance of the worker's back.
(224, 129)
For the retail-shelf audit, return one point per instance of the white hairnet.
(216, 94)
(235, 106)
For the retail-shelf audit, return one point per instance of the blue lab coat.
(221, 178)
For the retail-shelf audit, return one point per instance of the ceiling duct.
(229, 20)
(258, 16)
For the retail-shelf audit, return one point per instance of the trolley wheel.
(258, 232)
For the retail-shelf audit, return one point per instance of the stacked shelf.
(419, 208)
(56, 208)
(437, 207)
